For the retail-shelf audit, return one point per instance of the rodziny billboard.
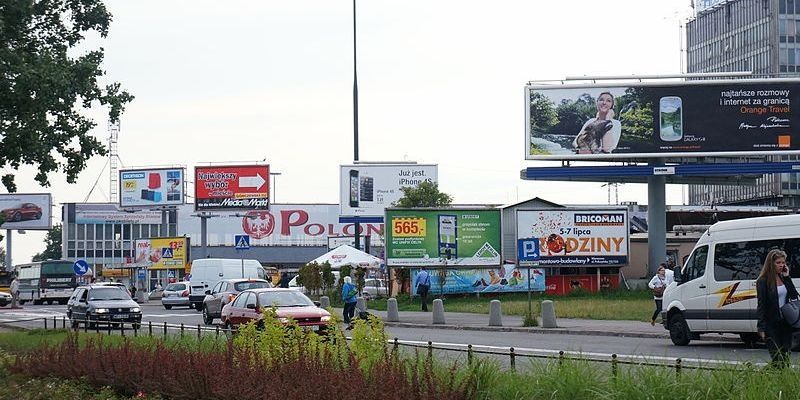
(162, 253)
(437, 236)
(692, 118)
(368, 189)
(589, 237)
(145, 188)
(26, 211)
(231, 187)
(503, 279)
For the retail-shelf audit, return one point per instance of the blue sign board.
(528, 249)
(142, 274)
(81, 267)
(242, 242)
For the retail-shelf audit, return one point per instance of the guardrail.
(678, 364)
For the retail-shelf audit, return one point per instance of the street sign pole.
(242, 242)
(530, 303)
(242, 256)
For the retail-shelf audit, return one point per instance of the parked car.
(156, 294)
(224, 292)
(94, 304)
(176, 294)
(207, 272)
(375, 288)
(288, 303)
(5, 299)
(25, 212)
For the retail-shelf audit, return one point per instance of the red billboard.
(231, 187)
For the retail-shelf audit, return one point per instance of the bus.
(46, 281)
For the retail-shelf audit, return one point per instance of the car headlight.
(136, 309)
(283, 320)
(325, 318)
(100, 310)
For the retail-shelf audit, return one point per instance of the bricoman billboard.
(367, 190)
(696, 118)
(282, 225)
(577, 237)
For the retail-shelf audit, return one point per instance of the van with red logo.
(715, 290)
(207, 272)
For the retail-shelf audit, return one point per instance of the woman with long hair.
(605, 112)
(774, 288)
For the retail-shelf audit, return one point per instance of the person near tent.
(349, 293)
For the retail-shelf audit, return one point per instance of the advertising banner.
(694, 118)
(144, 188)
(26, 211)
(231, 187)
(162, 253)
(282, 225)
(113, 216)
(367, 190)
(433, 237)
(504, 279)
(577, 237)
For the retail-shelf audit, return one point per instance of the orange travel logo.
(729, 297)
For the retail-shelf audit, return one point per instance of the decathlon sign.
(231, 187)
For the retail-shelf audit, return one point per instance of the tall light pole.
(274, 176)
(355, 115)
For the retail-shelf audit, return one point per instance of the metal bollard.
(85, 326)
(150, 327)
(513, 359)
(217, 330)
(109, 327)
(122, 329)
(198, 331)
(430, 352)
(469, 354)
(165, 329)
(55, 322)
(64, 322)
(560, 357)
(678, 367)
(135, 331)
(181, 330)
(45, 323)
(614, 365)
(396, 345)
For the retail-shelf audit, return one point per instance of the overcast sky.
(439, 82)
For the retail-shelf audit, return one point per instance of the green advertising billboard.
(416, 237)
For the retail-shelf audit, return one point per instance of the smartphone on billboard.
(354, 188)
(670, 109)
(448, 249)
(366, 188)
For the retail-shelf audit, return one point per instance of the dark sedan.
(95, 304)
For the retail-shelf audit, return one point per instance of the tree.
(360, 276)
(52, 250)
(310, 277)
(543, 117)
(47, 83)
(426, 194)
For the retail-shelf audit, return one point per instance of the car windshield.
(287, 298)
(174, 287)
(108, 293)
(241, 286)
(57, 268)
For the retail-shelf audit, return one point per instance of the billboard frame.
(348, 210)
(154, 206)
(640, 156)
(49, 212)
(267, 183)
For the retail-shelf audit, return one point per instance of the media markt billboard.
(437, 236)
(692, 118)
(368, 189)
(26, 211)
(577, 237)
(231, 187)
(162, 253)
(144, 188)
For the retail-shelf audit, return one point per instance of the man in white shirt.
(14, 292)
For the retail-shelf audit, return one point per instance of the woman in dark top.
(774, 288)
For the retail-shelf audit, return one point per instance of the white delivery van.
(715, 290)
(206, 272)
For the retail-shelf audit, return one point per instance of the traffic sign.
(142, 274)
(81, 267)
(528, 249)
(231, 187)
(242, 242)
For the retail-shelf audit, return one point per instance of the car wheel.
(750, 338)
(38, 215)
(62, 302)
(37, 302)
(49, 302)
(679, 331)
(167, 306)
(17, 217)
(207, 318)
(198, 307)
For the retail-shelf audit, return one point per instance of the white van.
(715, 291)
(206, 272)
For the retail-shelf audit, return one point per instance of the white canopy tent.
(348, 255)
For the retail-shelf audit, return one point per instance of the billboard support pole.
(9, 267)
(656, 219)
(530, 303)
(164, 222)
(203, 235)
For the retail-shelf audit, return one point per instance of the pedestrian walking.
(657, 284)
(423, 284)
(349, 293)
(284, 282)
(774, 287)
(14, 291)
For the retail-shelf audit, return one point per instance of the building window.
(81, 231)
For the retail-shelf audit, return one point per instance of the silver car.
(176, 294)
(375, 288)
(224, 292)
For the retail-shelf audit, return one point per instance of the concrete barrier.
(548, 314)
(392, 315)
(438, 312)
(495, 313)
(361, 304)
(325, 302)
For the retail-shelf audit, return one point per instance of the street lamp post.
(355, 116)
(274, 176)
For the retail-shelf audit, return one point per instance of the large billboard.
(145, 188)
(26, 211)
(502, 279)
(162, 253)
(590, 237)
(683, 119)
(231, 187)
(282, 225)
(367, 190)
(435, 237)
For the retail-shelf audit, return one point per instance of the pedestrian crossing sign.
(166, 252)
(242, 242)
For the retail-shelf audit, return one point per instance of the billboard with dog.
(681, 119)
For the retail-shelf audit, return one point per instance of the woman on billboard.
(601, 133)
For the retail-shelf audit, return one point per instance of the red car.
(25, 212)
(249, 305)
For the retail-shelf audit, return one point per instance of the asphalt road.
(493, 341)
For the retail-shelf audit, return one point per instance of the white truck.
(206, 272)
